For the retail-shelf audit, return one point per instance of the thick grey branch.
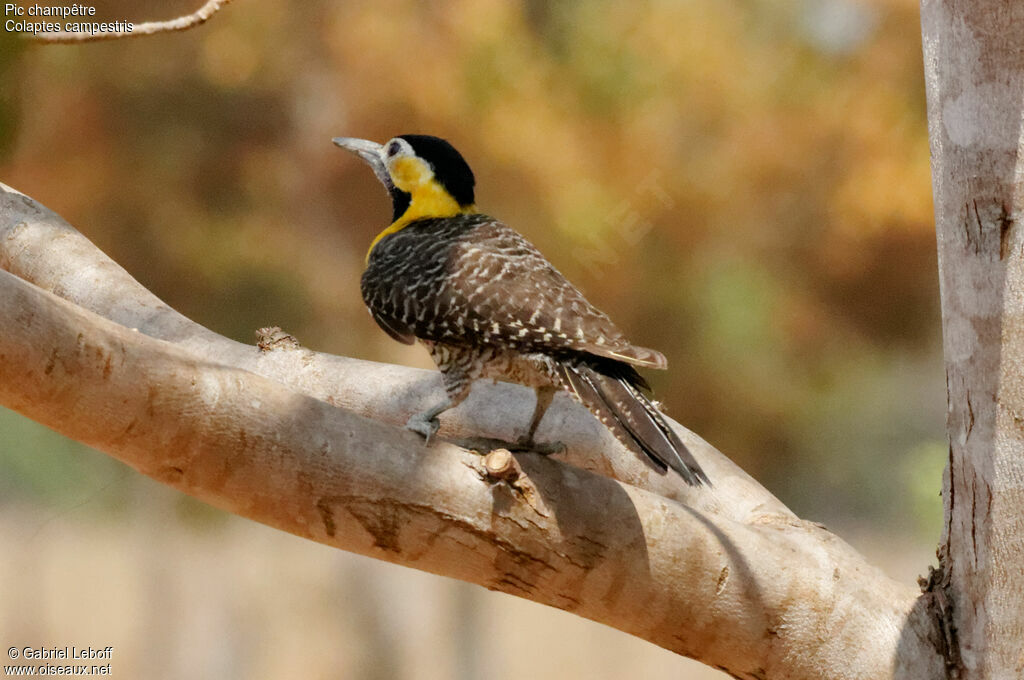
(779, 599)
(40, 247)
(758, 593)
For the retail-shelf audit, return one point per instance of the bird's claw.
(521, 445)
(545, 449)
(423, 425)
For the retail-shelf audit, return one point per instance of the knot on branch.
(940, 608)
(272, 337)
(501, 464)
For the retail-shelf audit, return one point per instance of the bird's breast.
(489, 362)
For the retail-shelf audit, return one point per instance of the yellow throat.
(428, 198)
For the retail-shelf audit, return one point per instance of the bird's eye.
(394, 148)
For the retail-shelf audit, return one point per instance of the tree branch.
(40, 247)
(181, 23)
(752, 590)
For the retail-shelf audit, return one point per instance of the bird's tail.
(611, 390)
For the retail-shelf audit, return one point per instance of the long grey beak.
(372, 153)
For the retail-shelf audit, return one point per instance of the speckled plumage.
(487, 304)
(470, 279)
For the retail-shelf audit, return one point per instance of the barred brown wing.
(473, 280)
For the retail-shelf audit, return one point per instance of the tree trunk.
(974, 67)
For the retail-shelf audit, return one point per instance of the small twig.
(500, 464)
(181, 23)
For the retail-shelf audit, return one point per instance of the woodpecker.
(486, 304)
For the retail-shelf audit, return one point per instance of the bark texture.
(974, 67)
(725, 575)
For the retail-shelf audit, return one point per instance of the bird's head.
(425, 176)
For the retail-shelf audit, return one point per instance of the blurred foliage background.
(743, 185)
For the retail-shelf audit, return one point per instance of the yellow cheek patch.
(409, 173)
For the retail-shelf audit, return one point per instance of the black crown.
(450, 168)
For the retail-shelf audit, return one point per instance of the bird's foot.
(521, 445)
(424, 424)
(526, 443)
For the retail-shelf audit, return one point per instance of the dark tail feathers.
(611, 390)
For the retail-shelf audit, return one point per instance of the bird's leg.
(427, 423)
(456, 387)
(524, 443)
(544, 396)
